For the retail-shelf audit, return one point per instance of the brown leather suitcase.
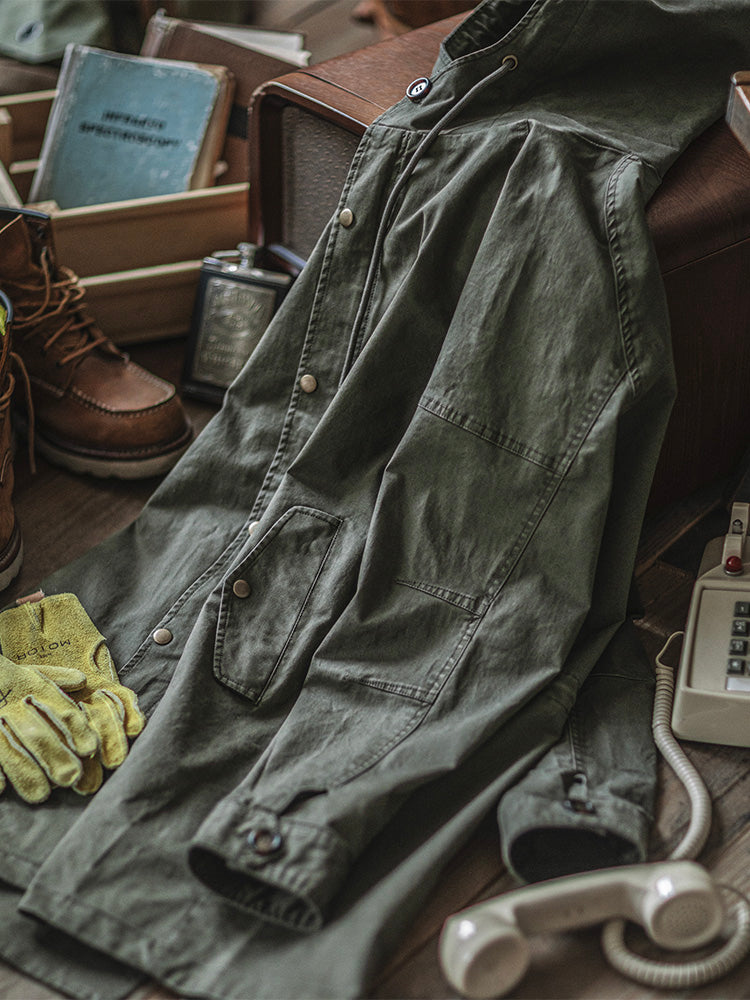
(305, 126)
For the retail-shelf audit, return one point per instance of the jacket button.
(308, 383)
(241, 588)
(162, 636)
(264, 842)
(346, 217)
(252, 526)
(418, 88)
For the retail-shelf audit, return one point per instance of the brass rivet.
(162, 636)
(241, 588)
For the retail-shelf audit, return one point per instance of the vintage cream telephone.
(712, 700)
(484, 950)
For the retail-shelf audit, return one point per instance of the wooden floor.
(62, 515)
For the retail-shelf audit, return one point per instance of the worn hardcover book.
(125, 127)
(254, 55)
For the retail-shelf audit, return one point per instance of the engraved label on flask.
(235, 315)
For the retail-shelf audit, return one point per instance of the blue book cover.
(126, 127)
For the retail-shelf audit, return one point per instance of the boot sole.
(110, 468)
(11, 558)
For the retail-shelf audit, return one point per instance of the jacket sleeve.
(588, 802)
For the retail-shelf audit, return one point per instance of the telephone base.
(712, 694)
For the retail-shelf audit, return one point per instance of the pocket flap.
(265, 613)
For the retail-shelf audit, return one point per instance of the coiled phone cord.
(673, 975)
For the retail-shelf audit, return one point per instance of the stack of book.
(143, 162)
(124, 126)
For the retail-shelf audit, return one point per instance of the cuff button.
(264, 842)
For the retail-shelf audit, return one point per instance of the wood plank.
(146, 232)
(6, 138)
(662, 529)
(29, 113)
(664, 592)
(22, 174)
(147, 303)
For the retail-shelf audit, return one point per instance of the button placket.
(332, 312)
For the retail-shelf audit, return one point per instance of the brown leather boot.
(95, 410)
(11, 549)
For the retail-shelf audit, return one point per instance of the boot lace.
(6, 397)
(62, 301)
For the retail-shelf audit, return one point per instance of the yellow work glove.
(57, 630)
(43, 734)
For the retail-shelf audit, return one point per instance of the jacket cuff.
(278, 869)
(543, 838)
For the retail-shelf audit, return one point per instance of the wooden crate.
(139, 259)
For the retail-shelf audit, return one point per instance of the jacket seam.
(622, 294)
(458, 600)
(497, 438)
(554, 483)
(303, 608)
(354, 348)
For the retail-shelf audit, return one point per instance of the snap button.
(418, 88)
(346, 217)
(252, 526)
(308, 383)
(241, 588)
(162, 636)
(264, 842)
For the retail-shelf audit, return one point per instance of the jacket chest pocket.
(269, 623)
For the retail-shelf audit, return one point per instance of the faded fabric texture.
(433, 619)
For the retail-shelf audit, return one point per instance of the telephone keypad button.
(742, 609)
(736, 667)
(740, 627)
(738, 647)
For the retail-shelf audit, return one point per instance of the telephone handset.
(484, 950)
(712, 697)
